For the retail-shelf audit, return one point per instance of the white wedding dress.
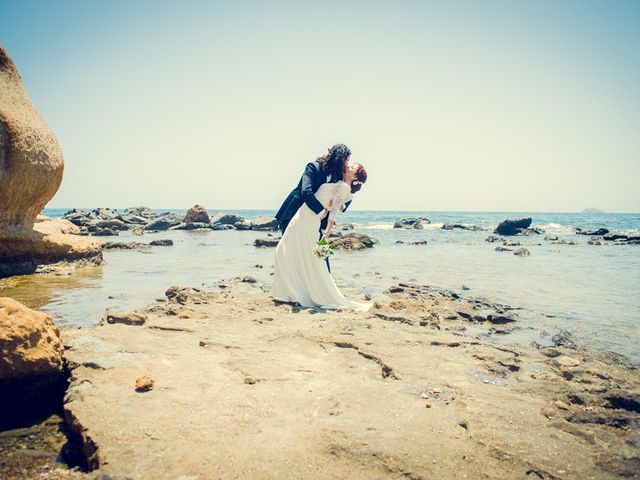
(299, 276)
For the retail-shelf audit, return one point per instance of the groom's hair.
(335, 160)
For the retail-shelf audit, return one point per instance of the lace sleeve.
(341, 192)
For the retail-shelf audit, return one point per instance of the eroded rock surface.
(31, 167)
(31, 163)
(31, 356)
(247, 388)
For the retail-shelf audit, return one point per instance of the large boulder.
(226, 219)
(164, 222)
(31, 356)
(265, 224)
(196, 214)
(144, 212)
(513, 227)
(79, 218)
(412, 222)
(353, 241)
(31, 167)
(31, 162)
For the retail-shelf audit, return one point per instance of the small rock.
(564, 339)
(126, 318)
(266, 242)
(124, 245)
(561, 405)
(248, 279)
(161, 243)
(144, 383)
(523, 252)
(567, 361)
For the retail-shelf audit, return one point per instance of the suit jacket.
(313, 176)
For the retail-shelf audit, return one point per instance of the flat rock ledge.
(28, 251)
(240, 386)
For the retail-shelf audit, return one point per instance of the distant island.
(592, 210)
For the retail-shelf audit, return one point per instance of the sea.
(592, 291)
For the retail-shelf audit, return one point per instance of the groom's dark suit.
(314, 175)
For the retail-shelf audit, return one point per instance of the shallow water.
(592, 291)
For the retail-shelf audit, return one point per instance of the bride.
(299, 276)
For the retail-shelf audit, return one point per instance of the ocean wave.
(389, 226)
(557, 228)
(373, 226)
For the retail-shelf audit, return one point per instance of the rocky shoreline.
(244, 387)
(138, 220)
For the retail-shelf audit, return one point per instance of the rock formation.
(196, 214)
(31, 355)
(513, 227)
(31, 163)
(412, 222)
(31, 167)
(353, 241)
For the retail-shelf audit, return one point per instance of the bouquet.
(323, 249)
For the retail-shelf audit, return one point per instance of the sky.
(450, 105)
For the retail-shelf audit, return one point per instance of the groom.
(326, 169)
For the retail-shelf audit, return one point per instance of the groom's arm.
(345, 206)
(306, 188)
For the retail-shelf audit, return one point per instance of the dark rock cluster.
(109, 222)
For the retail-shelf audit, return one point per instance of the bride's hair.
(361, 177)
(335, 160)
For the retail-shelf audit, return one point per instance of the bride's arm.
(335, 205)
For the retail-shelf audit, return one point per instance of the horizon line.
(360, 210)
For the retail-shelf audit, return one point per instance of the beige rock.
(31, 163)
(31, 167)
(21, 252)
(353, 241)
(31, 351)
(59, 225)
(131, 318)
(567, 361)
(144, 383)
